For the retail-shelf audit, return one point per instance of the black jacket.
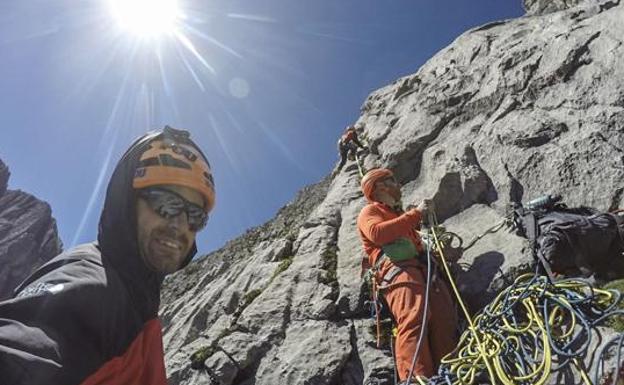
(89, 316)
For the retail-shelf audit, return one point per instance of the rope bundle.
(532, 329)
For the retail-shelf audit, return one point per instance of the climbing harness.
(348, 145)
(535, 328)
(377, 285)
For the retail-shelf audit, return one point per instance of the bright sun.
(146, 18)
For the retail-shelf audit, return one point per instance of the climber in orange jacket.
(348, 144)
(392, 244)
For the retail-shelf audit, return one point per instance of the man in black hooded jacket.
(90, 315)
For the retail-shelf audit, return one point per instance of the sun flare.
(146, 18)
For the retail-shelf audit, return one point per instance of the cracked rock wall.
(28, 235)
(509, 111)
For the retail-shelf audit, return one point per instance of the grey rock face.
(4, 177)
(28, 235)
(509, 111)
(540, 7)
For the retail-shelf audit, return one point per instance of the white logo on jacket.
(40, 288)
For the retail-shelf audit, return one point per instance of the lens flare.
(146, 18)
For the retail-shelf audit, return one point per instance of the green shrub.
(385, 334)
(329, 263)
(283, 265)
(201, 355)
(250, 296)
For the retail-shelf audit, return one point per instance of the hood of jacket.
(117, 232)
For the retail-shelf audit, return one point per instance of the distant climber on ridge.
(394, 248)
(347, 146)
(90, 315)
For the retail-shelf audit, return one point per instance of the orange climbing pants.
(405, 297)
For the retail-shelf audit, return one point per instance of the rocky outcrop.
(540, 7)
(28, 235)
(507, 112)
(4, 177)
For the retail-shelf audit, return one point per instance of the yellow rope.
(481, 349)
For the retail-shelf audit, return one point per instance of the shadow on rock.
(474, 279)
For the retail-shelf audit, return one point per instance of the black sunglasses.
(169, 204)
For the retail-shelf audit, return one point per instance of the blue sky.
(264, 86)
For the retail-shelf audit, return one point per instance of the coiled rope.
(532, 329)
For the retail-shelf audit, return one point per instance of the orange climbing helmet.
(371, 178)
(173, 159)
